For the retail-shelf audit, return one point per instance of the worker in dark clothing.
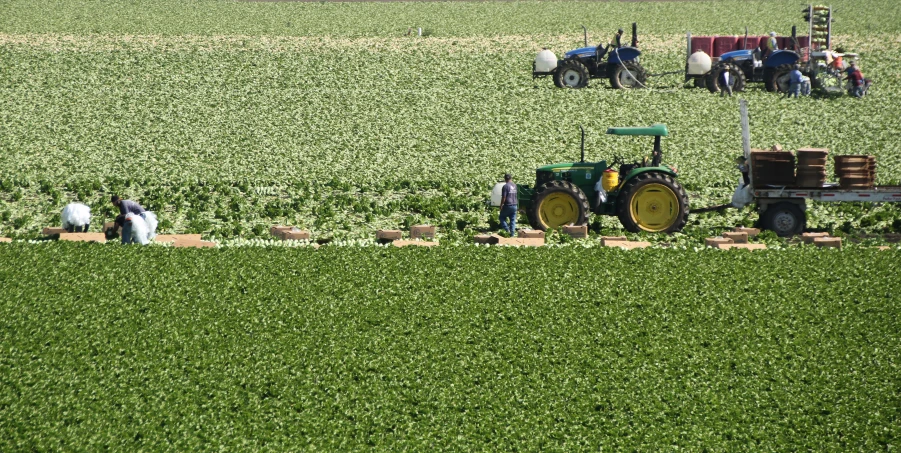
(857, 80)
(726, 83)
(796, 82)
(509, 200)
(125, 207)
(616, 42)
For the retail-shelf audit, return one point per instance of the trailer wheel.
(713, 77)
(785, 219)
(700, 82)
(652, 202)
(778, 79)
(571, 74)
(558, 203)
(628, 74)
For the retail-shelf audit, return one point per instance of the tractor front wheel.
(785, 219)
(713, 77)
(628, 74)
(558, 203)
(571, 74)
(652, 202)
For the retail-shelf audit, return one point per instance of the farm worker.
(616, 42)
(796, 81)
(726, 82)
(771, 45)
(509, 199)
(857, 80)
(837, 61)
(125, 207)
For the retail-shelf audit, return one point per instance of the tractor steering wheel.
(616, 162)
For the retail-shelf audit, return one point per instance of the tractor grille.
(542, 177)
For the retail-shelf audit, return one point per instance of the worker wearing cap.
(616, 42)
(771, 45)
(857, 80)
(796, 81)
(509, 199)
(125, 207)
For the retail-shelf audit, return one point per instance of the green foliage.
(463, 348)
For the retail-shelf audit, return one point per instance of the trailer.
(782, 208)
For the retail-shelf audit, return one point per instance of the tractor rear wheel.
(785, 219)
(700, 82)
(713, 77)
(558, 203)
(778, 79)
(652, 202)
(571, 74)
(628, 74)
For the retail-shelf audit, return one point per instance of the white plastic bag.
(742, 196)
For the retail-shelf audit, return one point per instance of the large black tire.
(571, 74)
(713, 77)
(562, 196)
(785, 219)
(700, 82)
(652, 202)
(627, 75)
(778, 79)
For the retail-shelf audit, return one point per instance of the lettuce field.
(229, 117)
(461, 348)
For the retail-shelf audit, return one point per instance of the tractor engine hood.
(737, 55)
(580, 53)
(566, 166)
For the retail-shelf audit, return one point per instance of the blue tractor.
(619, 64)
(747, 66)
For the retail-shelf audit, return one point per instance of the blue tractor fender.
(781, 57)
(625, 53)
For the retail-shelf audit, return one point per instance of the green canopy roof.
(658, 130)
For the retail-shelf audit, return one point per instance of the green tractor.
(645, 196)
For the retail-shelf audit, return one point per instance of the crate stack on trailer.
(819, 19)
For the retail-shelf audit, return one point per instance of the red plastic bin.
(723, 44)
(703, 43)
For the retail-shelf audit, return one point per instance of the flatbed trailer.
(782, 208)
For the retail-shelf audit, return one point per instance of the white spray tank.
(699, 63)
(546, 61)
(496, 194)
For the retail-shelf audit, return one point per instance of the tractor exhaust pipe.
(634, 34)
(585, 32)
(795, 45)
(583, 143)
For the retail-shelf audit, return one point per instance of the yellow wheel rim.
(654, 207)
(558, 209)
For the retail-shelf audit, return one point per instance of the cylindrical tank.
(496, 194)
(610, 179)
(699, 63)
(546, 61)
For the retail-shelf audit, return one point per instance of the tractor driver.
(771, 46)
(616, 42)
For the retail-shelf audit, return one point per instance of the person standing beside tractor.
(726, 82)
(125, 207)
(796, 82)
(858, 83)
(509, 200)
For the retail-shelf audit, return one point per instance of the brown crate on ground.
(741, 246)
(51, 231)
(388, 235)
(295, 235)
(484, 239)
(277, 230)
(813, 152)
(83, 237)
(417, 243)
(809, 237)
(713, 242)
(422, 231)
(737, 237)
(107, 226)
(751, 231)
(828, 242)
(530, 234)
(576, 231)
(175, 237)
(606, 239)
(528, 242)
(628, 245)
(193, 243)
(6, 240)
